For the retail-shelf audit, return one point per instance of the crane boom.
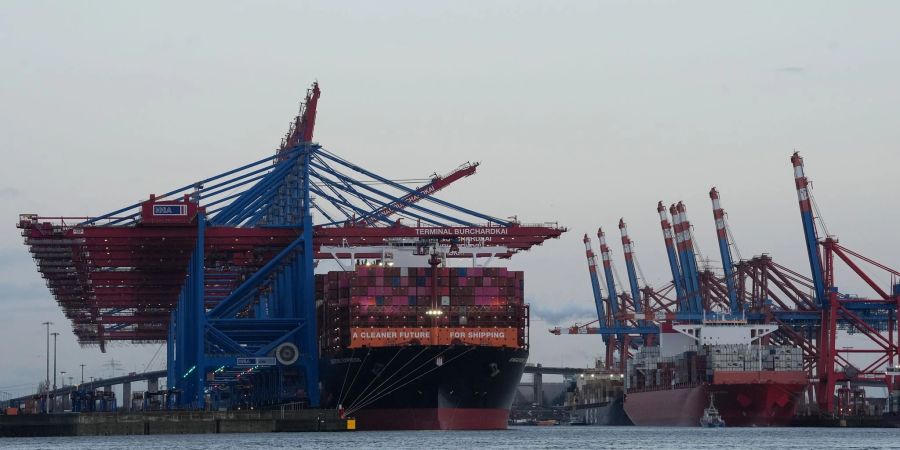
(615, 341)
(674, 266)
(628, 249)
(595, 282)
(809, 228)
(724, 250)
(610, 280)
(686, 255)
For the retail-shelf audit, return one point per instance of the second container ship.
(752, 384)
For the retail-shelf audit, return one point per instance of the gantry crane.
(222, 269)
(810, 311)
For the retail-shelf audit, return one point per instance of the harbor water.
(560, 437)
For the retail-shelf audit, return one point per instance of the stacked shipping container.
(767, 357)
(388, 298)
(648, 370)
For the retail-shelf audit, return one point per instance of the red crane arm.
(577, 329)
(302, 127)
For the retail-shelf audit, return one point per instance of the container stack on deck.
(647, 370)
(416, 297)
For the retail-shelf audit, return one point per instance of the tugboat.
(711, 417)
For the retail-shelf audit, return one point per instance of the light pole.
(55, 334)
(47, 378)
(82, 374)
(62, 380)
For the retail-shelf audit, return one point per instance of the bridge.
(152, 379)
(538, 371)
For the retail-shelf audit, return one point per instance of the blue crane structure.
(811, 311)
(223, 269)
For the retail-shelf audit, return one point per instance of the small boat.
(711, 417)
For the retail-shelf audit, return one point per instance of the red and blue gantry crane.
(222, 269)
(811, 311)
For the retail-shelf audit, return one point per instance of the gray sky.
(580, 112)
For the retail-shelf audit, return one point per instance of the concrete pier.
(125, 404)
(171, 422)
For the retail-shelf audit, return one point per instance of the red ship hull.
(744, 399)
(433, 419)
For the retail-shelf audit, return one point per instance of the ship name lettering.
(478, 334)
(472, 231)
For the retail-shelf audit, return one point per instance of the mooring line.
(410, 381)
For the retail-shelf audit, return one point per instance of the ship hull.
(614, 414)
(424, 387)
(610, 414)
(741, 404)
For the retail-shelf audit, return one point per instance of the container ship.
(422, 347)
(751, 383)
